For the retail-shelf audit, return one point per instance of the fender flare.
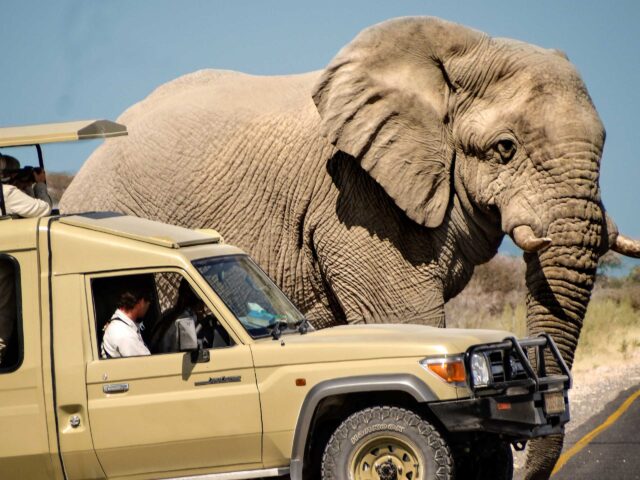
(403, 382)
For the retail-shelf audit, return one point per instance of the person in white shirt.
(122, 336)
(24, 190)
(24, 199)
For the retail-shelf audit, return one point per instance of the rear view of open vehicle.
(261, 393)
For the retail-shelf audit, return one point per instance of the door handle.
(115, 388)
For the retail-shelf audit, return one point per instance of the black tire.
(486, 458)
(385, 440)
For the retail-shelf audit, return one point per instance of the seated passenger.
(189, 311)
(122, 336)
(24, 189)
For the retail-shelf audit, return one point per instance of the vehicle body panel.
(165, 422)
(25, 444)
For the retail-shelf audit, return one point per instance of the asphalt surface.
(607, 446)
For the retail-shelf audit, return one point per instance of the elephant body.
(370, 190)
(328, 234)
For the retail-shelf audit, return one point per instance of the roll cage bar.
(35, 135)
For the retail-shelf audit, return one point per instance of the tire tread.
(340, 438)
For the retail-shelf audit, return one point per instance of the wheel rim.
(386, 458)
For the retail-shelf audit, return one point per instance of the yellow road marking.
(584, 441)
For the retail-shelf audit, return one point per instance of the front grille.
(496, 363)
(509, 364)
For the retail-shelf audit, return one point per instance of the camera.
(25, 174)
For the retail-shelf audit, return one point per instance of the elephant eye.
(506, 148)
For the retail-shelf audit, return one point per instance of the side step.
(268, 472)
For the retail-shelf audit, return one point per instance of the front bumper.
(520, 418)
(522, 400)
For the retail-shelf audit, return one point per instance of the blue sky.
(76, 59)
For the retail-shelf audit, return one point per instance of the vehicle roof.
(141, 229)
(59, 132)
(21, 233)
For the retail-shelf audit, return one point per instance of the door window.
(11, 350)
(174, 313)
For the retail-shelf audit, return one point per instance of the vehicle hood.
(363, 342)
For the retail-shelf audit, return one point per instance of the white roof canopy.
(60, 132)
(171, 236)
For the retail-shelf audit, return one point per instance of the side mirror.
(200, 356)
(187, 338)
(188, 341)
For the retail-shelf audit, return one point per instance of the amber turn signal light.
(451, 372)
(450, 369)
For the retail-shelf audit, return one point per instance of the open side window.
(159, 330)
(106, 290)
(11, 342)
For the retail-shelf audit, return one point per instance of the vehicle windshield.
(250, 294)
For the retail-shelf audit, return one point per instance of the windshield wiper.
(304, 325)
(278, 328)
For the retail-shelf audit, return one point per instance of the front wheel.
(386, 443)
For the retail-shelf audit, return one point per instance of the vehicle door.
(161, 413)
(24, 439)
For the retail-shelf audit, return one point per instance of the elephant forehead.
(539, 105)
(564, 119)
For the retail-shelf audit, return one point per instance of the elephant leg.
(543, 453)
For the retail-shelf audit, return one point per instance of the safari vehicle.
(267, 395)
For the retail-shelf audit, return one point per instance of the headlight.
(448, 368)
(479, 370)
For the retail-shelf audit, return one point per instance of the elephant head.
(435, 111)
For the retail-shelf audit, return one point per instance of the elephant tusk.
(524, 237)
(626, 246)
(620, 243)
(612, 230)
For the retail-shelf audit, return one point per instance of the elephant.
(370, 190)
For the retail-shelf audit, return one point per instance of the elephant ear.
(384, 100)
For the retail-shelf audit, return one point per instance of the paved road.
(608, 445)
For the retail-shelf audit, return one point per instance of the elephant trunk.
(559, 281)
(558, 293)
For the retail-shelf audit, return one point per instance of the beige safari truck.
(260, 393)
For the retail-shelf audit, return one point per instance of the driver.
(189, 310)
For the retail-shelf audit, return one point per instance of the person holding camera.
(24, 189)
(25, 195)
